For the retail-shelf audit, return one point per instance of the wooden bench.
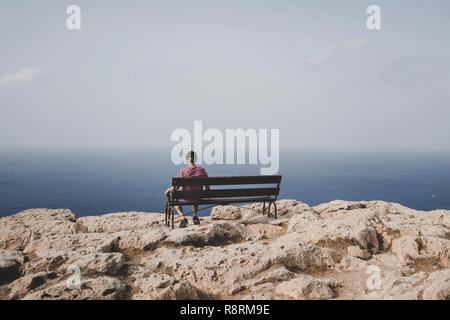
(265, 194)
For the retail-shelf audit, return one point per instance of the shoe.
(196, 220)
(184, 223)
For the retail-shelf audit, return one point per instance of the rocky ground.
(336, 250)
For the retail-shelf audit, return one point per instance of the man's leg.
(183, 222)
(180, 210)
(195, 211)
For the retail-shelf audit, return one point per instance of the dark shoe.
(196, 220)
(184, 223)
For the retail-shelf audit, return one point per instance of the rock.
(285, 208)
(277, 275)
(236, 289)
(28, 283)
(226, 213)
(357, 252)
(302, 219)
(437, 286)
(408, 271)
(217, 268)
(338, 205)
(18, 230)
(121, 221)
(395, 286)
(214, 234)
(438, 248)
(10, 265)
(140, 240)
(278, 222)
(259, 219)
(406, 245)
(337, 232)
(306, 287)
(240, 253)
(101, 288)
(93, 253)
(164, 287)
(264, 231)
(258, 296)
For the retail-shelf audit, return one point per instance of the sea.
(99, 182)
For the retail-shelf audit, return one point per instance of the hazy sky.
(137, 70)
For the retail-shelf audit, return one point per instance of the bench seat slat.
(218, 193)
(225, 201)
(233, 180)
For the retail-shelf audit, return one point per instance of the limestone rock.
(93, 253)
(285, 208)
(437, 286)
(329, 251)
(226, 213)
(338, 205)
(101, 288)
(121, 221)
(18, 230)
(28, 283)
(139, 240)
(159, 286)
(306, 287)
(357, 252)
(10, 265)
(215, 234)
(337, 232)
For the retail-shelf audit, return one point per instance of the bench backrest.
(227, 181)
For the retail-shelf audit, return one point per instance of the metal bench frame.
(223, 196)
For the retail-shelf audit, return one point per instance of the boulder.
(10, 265)
(159, 286)
(140, 240)
(101, 288)
(437, 286)
(121, 221)
(306, 287)
(357, 252)
(29, 283)
(18, 230)
(215, 234)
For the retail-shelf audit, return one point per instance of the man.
(191, 171)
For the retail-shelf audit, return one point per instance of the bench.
(223, 196)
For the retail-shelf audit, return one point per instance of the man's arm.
(171, 189)
(206, 176)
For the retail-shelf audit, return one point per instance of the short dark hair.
(191, 157)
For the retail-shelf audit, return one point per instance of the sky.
(138, 70)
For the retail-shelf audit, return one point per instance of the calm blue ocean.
(93, 183)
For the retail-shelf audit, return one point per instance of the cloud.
(23, 75)
(357, 43)
(321, 56)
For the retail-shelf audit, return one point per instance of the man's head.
(191, 157)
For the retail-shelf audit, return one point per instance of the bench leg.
(166, 219)
(173, 218)
(268, 211)
(264, 208)
(275, 207)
